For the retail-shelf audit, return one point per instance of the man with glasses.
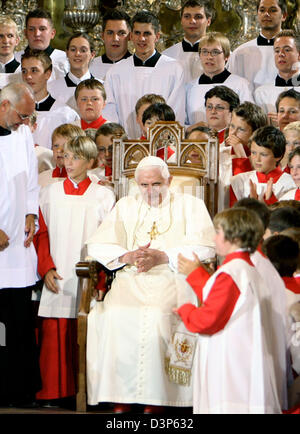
(196, 16)
(214, 51)
(220, 101)
(254, 59)
(19, 372)
(286, 56)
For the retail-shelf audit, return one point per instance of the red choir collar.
(59, 173)
(292, 283)
(69, 187)
(297, 194)
(264, 177)
(239, 254)
(94, 124)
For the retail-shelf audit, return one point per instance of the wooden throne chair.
(194, 167)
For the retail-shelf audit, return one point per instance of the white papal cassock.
(125, 83)
(128, 333)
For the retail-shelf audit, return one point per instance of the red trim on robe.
(297, 194)
(59, 173)
(42, 247)
(262, 178)
(94, 124)
(218, 306)
(108, 171)
(58, 357)
(241, 165)
(292, 283)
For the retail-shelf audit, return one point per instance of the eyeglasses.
(204, 52)
(218, 108)
(22, 117)
(104, 149)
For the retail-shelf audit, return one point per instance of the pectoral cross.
(153, 232)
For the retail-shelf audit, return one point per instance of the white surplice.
(233, 371)
(70, 220)
(190, 61)
(126, 83)
(254, 62)
(19, 197)
(129, 332)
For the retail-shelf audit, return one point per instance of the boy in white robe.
(266, 181)
(196, 16)
(60, 136)
(254, 60)
(214, 51)
(39, 31)
(233, 368)
(143, 234)
(90, 99)
(147, 71)
(115, 36)
(286, 56)
(70, 212)
(36, 70)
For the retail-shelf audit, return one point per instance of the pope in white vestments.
(129, 332)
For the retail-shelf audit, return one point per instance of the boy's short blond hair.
(82, 146)
(90, 83)
(149, 98)
(241, 226)
(7, 21)
(293, 126)
(218, 37)
(67, 130)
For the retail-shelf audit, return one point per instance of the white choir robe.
(126, 83)
(99, 68)
(266, 95)
(195, 93)
(275, 302)
(190, 61)
(233, 370)
(70, 220)
(129, 332)
(253, 62)
(47, 121)
(60, 63)
(241, 188)
(19, 197)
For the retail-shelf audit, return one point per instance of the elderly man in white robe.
(129, 333)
